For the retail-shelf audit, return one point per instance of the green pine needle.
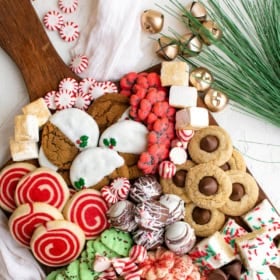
(246, 61)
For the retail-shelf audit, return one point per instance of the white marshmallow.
(23, 150)
(26, 128)
(182, 96)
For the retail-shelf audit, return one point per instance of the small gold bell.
(197, 10)
(152, 21)
(215, 100)
(201, 78)
(166, 48)
(214, 29)
(190, 45)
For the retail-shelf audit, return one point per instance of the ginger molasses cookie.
(244, 194)
(204, 221)
(210, 144)
(176, 185)
(236, 162)
(208, 186)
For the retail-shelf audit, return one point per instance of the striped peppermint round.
(57, 243)
(179, 143)
(82, 101)
(120, 187)
(49, 99)
(53, 20)
(108, 195)
(108, 274)
(87, 209)
(68, 84)
(178, 155)
(64, 99)
(185, 134)
(138, 253)
(69, 31)
(68, 6)
(85, 85)
(79, 63)
(97, 89)
(42, 185)
(166, 169)
(110, 87)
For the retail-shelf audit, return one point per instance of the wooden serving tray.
(25, 41)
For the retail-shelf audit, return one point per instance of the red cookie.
(87, 209)
(42, 185)
(27, 217)
(9, 178)
(57, 243)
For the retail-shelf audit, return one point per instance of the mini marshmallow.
(174, 73)
(182, 96)
(39, 109)
(23, 150)
(192, 118)
(26, 128)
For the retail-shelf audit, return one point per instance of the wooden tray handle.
(23, 37)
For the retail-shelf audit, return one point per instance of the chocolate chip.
(208, 185)
(179, 178)
(237, 192)
(233, 269)
(225, 166)
(217, 274)
(201, 216)
(209, 143)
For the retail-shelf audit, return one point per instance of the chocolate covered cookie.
(204, 221)
(211, 144)
(244, 193)
(208, 186)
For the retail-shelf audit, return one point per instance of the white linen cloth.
(16, 262)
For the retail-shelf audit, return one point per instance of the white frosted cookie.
(92, 165)
(27, 217)
(125, 136)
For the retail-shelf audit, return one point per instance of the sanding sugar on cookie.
(69, 31)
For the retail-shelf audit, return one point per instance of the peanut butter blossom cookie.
(211, 144)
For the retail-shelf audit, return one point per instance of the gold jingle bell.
(201, 78)
(190, 45)
(166, 48)
(197, 10)
(152, 21)
(215, 100)
(214, 29)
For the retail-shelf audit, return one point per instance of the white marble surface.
(257, 140)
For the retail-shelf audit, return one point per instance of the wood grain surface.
(25, 41)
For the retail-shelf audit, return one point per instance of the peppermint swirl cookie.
(211, 144)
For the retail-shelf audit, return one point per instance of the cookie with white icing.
(95, 167)
(66, 134)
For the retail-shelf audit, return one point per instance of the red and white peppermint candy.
(82, 101)
(101, 263)
(79, 63)
(97, 90)
(120, 187)
(64, 99)
(166, 169)
(68, 6)
(119, 264)
(82, 207)
(108, 274)
(185, 135)
(57, 243)
(53, 20)
(179, 143)
(42, 185)
(110, 87)
(9, 178)
(108, 195)
(27, 217)
(49, 99)
(85, 85)
(136, 275)
(69, 31)
(138, 253)
(178, 155)
(68, 84)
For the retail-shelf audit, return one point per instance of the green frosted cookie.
(53, 274)
(71, 272)
(86, 272)
(118, 241)
(103, 250)
(90, 251)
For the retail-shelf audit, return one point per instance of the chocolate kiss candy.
(209, 143)
(217, 274)
(152, 21)
(225, 166)
(179, 178)
(201, 216)
(208, 185)
(237, 192)
(233, 269)
(215, 100)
